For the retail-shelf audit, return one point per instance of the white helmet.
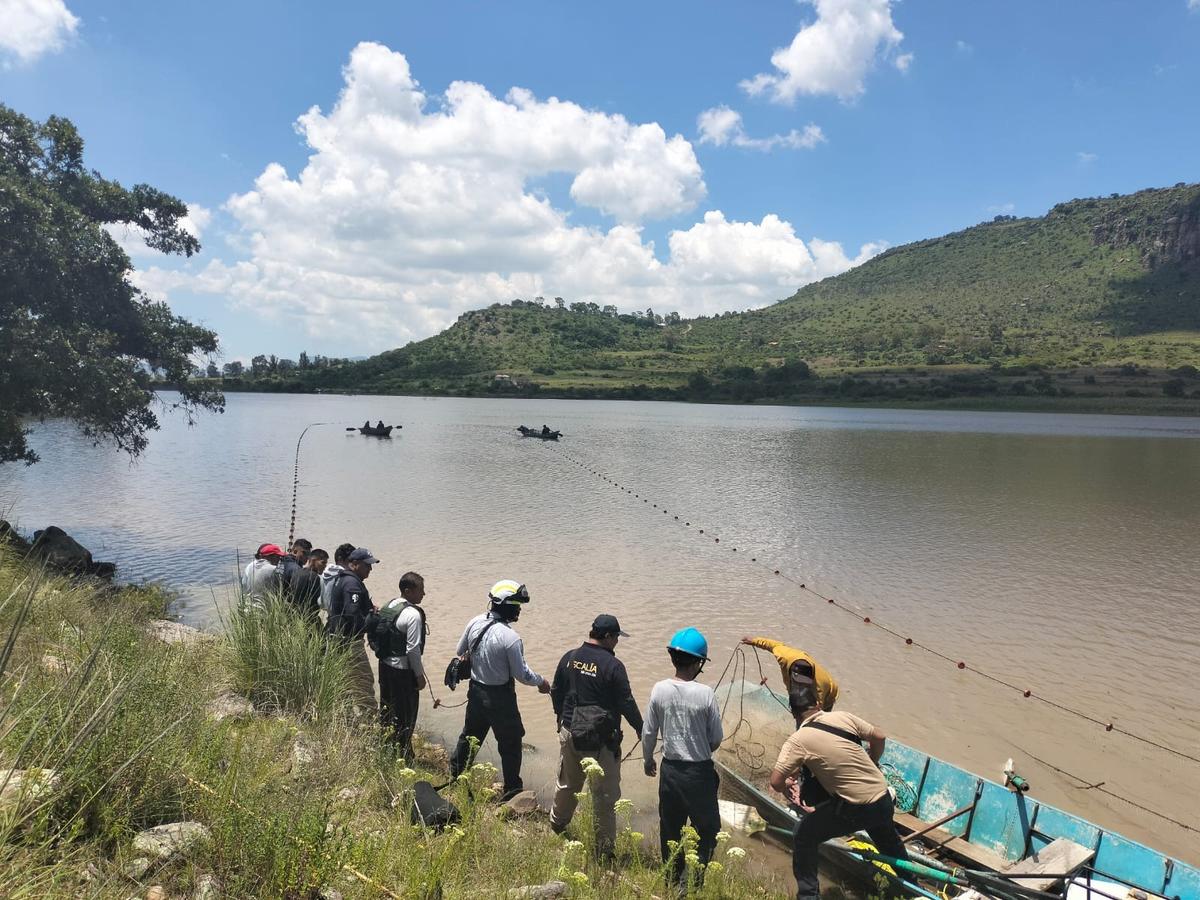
(508, 593)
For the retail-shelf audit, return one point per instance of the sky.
(362, 173)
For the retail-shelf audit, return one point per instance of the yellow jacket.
(827, 688)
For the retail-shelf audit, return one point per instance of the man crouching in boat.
(793, 662)
(829, 744)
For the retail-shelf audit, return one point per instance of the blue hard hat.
(691, 641)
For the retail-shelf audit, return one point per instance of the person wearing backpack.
(496, 659)
(830, 745)
(686, 712)
(397, 635)
(590, 694)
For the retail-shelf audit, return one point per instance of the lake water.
(1057, 552)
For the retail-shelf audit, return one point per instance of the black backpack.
(430, 809)
(384, 638)
(459, 668)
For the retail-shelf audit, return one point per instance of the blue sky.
(405, 205)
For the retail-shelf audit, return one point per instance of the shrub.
(281, 662)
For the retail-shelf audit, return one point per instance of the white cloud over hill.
(411, 210)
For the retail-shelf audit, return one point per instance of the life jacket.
(385, 638)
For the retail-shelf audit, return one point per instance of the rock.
(228, 705)
(10, 536)
(523, 804)
(547, 891)
(138, 867)
(21, 786)
(176, 632)
(208, 887)
(61, 551)
(53, 664)
(349, 794)
(157, 892)
(329, 894)
(165, 841)
(304, 754)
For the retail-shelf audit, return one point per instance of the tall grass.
(282, 662)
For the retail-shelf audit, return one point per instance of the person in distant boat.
(590, 693)
(379, 425)
(401, 669)
(260, 577)
(367, 424)
(686, 713)
(497, 660)
(306, 586)
(830, 745)
(798, 666)
(349, 606)
(545, 429)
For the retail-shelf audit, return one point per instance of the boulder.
(548, 891)
(136, 868)
(304, 754)
(23, 786)
(61, 551)
(227, 705)
(523, 804)
(176, 632)
(10, 536)
(156, 892)
(207, 888)
(163, 842)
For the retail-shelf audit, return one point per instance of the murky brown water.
(1057, 552)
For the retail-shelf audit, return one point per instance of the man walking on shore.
(400, 645)
(829, 744)
(497, 658)
(350, 604)
(590, 694)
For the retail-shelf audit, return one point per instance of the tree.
(77, 340)
(258, 366)
(233, 369)
(558, 301)
(212, 371)
(303, 362)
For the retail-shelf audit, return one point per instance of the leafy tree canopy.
(77, 340)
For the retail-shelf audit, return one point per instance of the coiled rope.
(962, 665)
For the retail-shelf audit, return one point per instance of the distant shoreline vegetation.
(1120, 389)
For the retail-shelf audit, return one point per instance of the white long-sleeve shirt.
(500, 657)
(258, 579)
(687, 714)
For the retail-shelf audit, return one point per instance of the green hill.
(1094, 283)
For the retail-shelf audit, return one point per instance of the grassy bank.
(298, 799)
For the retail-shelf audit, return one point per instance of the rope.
(296, 478)
(962, 665)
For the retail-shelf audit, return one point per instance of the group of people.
(823, 770)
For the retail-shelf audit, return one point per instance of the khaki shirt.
(843, 769)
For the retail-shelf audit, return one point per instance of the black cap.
(362, 554)
(606, 624)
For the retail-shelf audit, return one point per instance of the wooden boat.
(537, 433)
(374, 431)
(986, 831)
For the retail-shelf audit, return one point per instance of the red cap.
(270, 550)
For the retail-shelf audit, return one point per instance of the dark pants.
(836, 818)
(492, 708)
(399, 703)
(688, 790)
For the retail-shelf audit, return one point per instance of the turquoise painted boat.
(959, 820)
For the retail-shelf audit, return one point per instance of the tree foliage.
(77, 340)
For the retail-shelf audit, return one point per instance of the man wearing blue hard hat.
(686, 713)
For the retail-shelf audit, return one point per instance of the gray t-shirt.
(686, 712)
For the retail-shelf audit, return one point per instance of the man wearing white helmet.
(497, 660)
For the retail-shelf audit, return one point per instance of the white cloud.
(31, 28)
(1193, 4)
(832, 54)
(721, 126)
(1002, 209)
(412, 210)
(1085, 158)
